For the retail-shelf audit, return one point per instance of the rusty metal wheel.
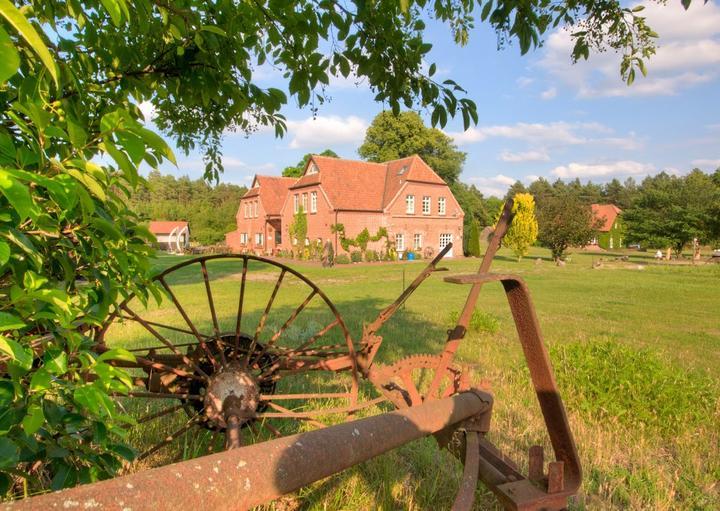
(258, 352)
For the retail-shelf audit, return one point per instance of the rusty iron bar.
(565, 474)
(245, 477)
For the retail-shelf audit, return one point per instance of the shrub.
(342, 259)
(371, 256)
(479, 321)
(606, 379)
(356, 256)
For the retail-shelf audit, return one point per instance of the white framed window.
(313, 202)
(243, 238)
(426, 205)
(445, 238)
(400, 242)
(245, 212)
(417, 241)
(255, 214)
(312, 169)
(259, 238)
(441, 205)
(304, 202)
(296, 203)
(410, 204)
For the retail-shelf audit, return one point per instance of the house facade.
(258, 217)
(612, 229)
(171, 236)
(404, 198)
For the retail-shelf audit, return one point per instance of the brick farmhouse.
(404, 196)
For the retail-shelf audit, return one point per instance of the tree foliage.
(297, 170)
(298, 230)
(473, 239)
(391, 137)
(209, 210)
(524, 228)
(671, 211)
(563, 222)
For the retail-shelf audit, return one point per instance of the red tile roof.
(365, 186)
(607, 212)
(272, 191)
(165, 227)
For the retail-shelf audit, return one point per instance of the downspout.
(336, 232)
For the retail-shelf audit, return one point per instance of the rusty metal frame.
(564, 474)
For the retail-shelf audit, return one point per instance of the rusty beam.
(249, 476)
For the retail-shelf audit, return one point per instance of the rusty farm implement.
(266, 395)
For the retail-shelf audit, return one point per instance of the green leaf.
(17, 194)
(9, 321)
(9, 453)
(26, 30)
(214, 30)
(7, 394)
(55, 361)
(113, 8)
(156, 142)
(117, 354)
(41, 380)
(17, 353)
(33, 420)
(10, 62)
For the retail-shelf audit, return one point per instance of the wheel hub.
(231, 392)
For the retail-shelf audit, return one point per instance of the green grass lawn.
(635, 345)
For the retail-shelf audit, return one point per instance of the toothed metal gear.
(396, 382)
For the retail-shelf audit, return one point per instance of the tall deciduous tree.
(391, 136)
(563, 222)
(297, 170)
(524, 228)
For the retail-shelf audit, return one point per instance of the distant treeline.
(210, 210)
(662, 211)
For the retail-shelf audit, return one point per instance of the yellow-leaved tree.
(524, 228)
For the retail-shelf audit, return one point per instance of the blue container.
(411, 256)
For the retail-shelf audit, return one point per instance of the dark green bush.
(371, 256)
(356, 256)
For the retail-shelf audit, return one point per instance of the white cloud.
(706, 163)
(524, 81)
(549, 93)
(532, 155)
(553, 134)
(496, 185)
(530, 178)
(148, 110)
(590, 170)
(321, 132)
(688, 53)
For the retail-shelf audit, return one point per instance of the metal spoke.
(174, 328)
(294, 415)
(238, 324)
(263, 318)
(161, 413)
(161, 395)
(304, 345)
(143, 361)
(197, 334)
(165, 341)
(170, 438)
(327, 395)
(213, 314)
(285, 325)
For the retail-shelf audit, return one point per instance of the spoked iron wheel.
(241, 349)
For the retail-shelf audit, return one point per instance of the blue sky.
(539, 115)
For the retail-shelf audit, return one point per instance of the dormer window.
(402, 170)
(312, 169)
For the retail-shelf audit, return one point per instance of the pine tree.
(473, 244)
(524, 228)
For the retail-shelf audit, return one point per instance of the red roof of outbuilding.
(165, 227)
(606, 212)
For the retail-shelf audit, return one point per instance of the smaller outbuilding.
(610, 233)
(172, 236)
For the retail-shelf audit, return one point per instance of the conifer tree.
(473, 244)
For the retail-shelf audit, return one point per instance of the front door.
(446, 238)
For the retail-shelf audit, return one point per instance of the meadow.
(635, 347)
